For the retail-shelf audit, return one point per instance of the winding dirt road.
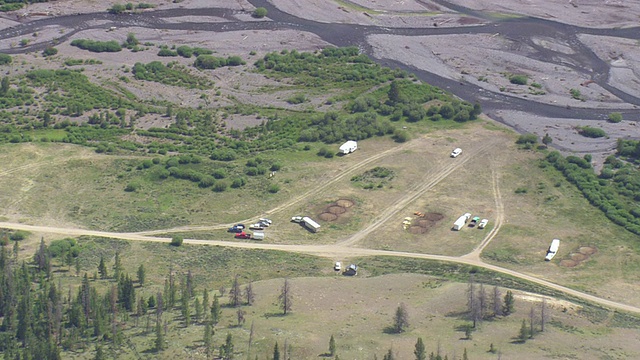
(330, 251)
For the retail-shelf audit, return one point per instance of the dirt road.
(330, 251)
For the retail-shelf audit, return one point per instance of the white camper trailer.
(462, 220)
(553, 249)
(310, 224)
(348, 147)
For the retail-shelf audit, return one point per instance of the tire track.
(414, 194)
(497, 196)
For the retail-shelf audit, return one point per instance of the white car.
(483, 223)
(266, 221)
(337, 266)
(456, 152)
(257, 226)
(296, 219)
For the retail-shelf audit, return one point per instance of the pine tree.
(198, 310)
(208, 340)
(509, 301)
(205, 305)
(216, 312)
(276, 352)
(401, 319)
(389, 355)
(100, 353)
(141, 275)
(227, 349)
(102, 269)
(524, 332)
(420, 352)
(117, 266)
(159, 343)
(464, 355)
(332, 346)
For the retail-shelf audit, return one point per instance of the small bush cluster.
(212, 62)
(97, 46)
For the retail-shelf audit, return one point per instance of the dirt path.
(475, 254)
(331, 251)
(431, 181)
(316, 190)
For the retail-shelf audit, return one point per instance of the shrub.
(518, 79)
(184, 51)
(521, 190)
(117, 9)
(527, 139)
(97, 46)
(297, 99)
(274, 188)
(575, 93)
(166, 52)
(238, 183)
(49, 51)
(177, 240)
(400, 136)
(132, 186)
(61, 247)
(220, 186)
(591, 132)
(260, 12)
(19, 235)
(5, 59)
(615, 117)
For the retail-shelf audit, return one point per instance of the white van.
(456, 152)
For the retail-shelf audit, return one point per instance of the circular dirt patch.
(325, 216)
(577, 257)
(587, 250)
(417, 230)
(434, 216)
(568, 263)
(345, 203)
(425, 223)
(336, 209)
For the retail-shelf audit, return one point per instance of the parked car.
(456, 152)
(257, 226)
(483, 223)
(264, 220)
(243, 235)
(337, 266)
(238, 228)
(474, 221)
(297, 219)
(264, 223)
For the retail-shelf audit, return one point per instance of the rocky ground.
(485, 60)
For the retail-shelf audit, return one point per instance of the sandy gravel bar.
(588, 13)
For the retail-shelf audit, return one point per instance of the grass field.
(355, 310)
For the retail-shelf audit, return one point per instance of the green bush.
(615, 117)
(117, 9)
(5, 59)
(274, 188)
(220, 186)
(167, 53)
(519, 79)
(58, 248)
(527, 139)
(297, 99)
(591, 132)
(132, 187)
(19, 235)
(575, 93)
(401, 136)
(260, 12)
(49, 51)
(97, 46)
(177, 240)
(521, 190)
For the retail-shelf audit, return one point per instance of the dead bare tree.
(473, 303)
(249, 294)
(532, 321)
(497, 301)
(543, 314)
(285, 297)
(482, 302)
(241, 313)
